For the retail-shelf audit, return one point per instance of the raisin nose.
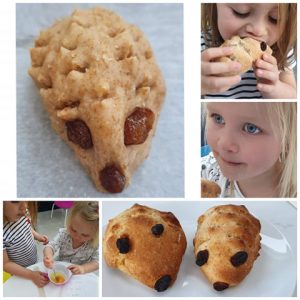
(123, 245)
(263, 46)
(220, 286)
(163, 283)
(157, 229)
(202, 257)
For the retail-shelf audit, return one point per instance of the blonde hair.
(287, 24)
(89, 212)
(283, 115)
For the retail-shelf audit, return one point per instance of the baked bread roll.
(226, 244)
(209, 189)
(246, 52)
(103, 91)
(146, 244)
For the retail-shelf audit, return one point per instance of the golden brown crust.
(150, 257)
(226, 244)
(246, 52)
(95, 69)
(209, 189)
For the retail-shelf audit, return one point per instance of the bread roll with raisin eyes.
(146, 244)
(226, 244)
(245, 51)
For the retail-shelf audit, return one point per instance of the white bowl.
(60, 271)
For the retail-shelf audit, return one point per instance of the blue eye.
(251, 128)
(218, 119)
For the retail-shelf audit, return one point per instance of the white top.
(63, 244)
(246, 88)
(210, 170)
(18, 241)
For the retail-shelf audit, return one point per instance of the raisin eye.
(263, 46)
(157, 229)
(239, 258)
(123, 245)
(202, 257)
(79, 133)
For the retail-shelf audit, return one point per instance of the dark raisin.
(79, 133)
(157, 229)
(112, 179)
(263, 46)
(163, 283)
(123, 245)
(239, 258)
(137, 126)
(220, 286)
(202, 257)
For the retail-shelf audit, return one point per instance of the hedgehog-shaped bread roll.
(147, 244)
(245, 51)
(209, 189)
(226, 244)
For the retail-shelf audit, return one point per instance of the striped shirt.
(246, 88)
(18, 241)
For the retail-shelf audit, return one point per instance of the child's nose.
(23, 206)
(257, 28)
(228, 143)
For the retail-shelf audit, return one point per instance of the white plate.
(273, 273)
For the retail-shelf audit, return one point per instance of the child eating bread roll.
(272, 75)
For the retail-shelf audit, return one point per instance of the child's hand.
(267, 74)
(211, 82)
(39, 278)
(75, 269)
(48, 261)
(44, 239)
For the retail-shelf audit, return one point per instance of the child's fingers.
(267, 75)
(261, 64)
(44, 278)
(264, 88)
(73, 269)
(220, 84)
(215, 68)
(212, 53)
(269, 58)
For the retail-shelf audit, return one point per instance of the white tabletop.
(20, 287)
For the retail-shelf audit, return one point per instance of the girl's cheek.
(210, 136)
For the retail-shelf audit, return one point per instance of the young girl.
(78, 243)
(253, 149)
(272, 76)
(19, 249)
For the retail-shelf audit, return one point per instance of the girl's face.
(242, 139)
(258, 21)
(80, 230)
(14, 210)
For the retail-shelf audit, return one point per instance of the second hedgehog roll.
(226, 244)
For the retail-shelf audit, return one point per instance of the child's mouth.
(230, 163)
